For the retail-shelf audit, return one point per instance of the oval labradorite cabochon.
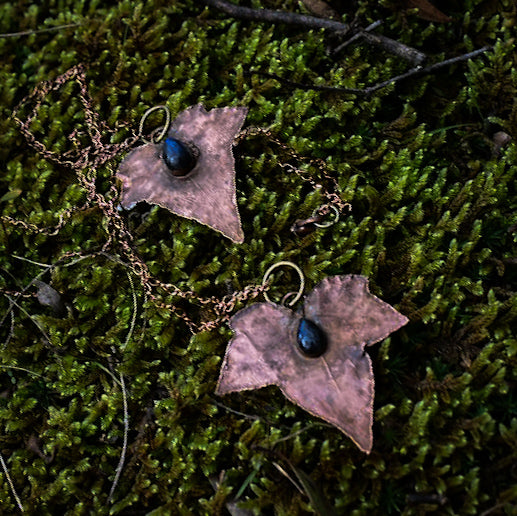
(311, 339)
(178, 157)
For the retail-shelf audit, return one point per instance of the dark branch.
(311, 22)
(356, 36)
(303, 86)
(268, 15)
(414, 72)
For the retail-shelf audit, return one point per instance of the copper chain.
(331, 194)
(86, 160)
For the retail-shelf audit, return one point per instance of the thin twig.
(120, 465)
(11, 485)
(122, 459)
(21, 369)
(289, 477)
(495, 508)
(236, 412)
(37, 31)
(36, 278)
(39, 264)
(298, 432)
(414, 72)
(304, 86)
(312, 22)
(18, 295)
(135, 311)
(40, 328)
(10, 333)
(356, 36)
(106, 370)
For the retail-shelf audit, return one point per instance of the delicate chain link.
(332, 196)
(16, 293)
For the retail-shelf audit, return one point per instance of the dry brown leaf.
(427, 11)
(320, 8)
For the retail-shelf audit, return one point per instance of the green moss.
(434, 212)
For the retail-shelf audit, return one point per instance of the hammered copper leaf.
(207, 193)
(337, 386)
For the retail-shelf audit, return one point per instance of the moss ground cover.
(433, 224)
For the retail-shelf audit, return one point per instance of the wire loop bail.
(159, 133)
(297, 295)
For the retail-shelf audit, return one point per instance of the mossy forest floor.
(433, 225)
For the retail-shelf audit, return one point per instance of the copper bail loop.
(297, 295)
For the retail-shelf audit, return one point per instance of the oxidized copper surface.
(337, 386)
(207, 193)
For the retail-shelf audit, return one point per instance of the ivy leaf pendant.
(336, 381)
(192, 172)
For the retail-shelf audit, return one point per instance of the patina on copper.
(207, 193)
(337, 386)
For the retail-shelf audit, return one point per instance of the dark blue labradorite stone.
(311, 340)
(178, 157)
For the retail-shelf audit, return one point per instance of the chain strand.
(332, 197)
(85, 161)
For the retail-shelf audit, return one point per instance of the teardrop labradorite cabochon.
(311, 339)
(178, 157)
